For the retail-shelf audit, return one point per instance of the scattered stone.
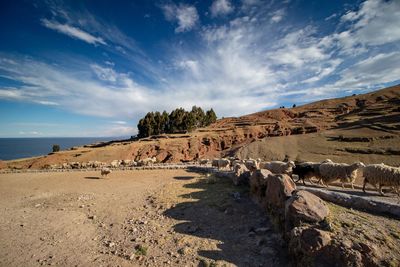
(236, 195)
(262, 230)
(268, 251)
(184, 251)
(111, 244)
(81, 206)
(92, 217)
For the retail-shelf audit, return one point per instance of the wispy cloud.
(242, 65)
(72, 32)
(278, 15)
(221, 7)
(185, 15)
(119, 122)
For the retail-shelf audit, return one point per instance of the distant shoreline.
(27, 147)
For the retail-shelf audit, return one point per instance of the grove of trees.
(178, 121)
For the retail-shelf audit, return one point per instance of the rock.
(304, 207)
(111, 244)
(92, 217)
(279, 189)
(268, 251)
(262, 230)
(258, 184)
(184, 251)
(313, 239)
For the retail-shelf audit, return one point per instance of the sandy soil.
(132, 218)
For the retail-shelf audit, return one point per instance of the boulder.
(242, 178)
(258, 183)
(304, 206)
(312, 240)
(279, 189)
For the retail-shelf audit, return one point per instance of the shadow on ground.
(92, 177)
(219, 211)
(183, 177)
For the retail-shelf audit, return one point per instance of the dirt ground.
(132, 218)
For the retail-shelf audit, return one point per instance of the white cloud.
(119, 122)
(221, 7)
(117, 131)
(30, 133)
(298, 48)
(242, 66)
(185, 15)
(375, 70)
(73, 32)
(278, 15)
(375, 23)
(105, 74)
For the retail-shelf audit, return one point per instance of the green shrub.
(56, 148)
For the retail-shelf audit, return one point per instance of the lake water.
(14, 148)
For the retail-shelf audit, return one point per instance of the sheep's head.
(357, 165)
(291, 164)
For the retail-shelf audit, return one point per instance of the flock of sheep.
(378, 175)
(327, 171)
(98, 164)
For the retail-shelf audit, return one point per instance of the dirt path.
(132, 218)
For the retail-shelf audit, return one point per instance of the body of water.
(14, 148)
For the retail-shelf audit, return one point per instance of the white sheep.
(220, 163)
(105, 172)
(223, 163)
(114, 164)
(252, 164)
(239, 173)
(380, 175)
(203, 161)
(330, 172)
(278, 167)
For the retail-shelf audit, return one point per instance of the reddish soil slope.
(348, 127)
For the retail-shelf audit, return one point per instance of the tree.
(189, 121)
(164, 122)
(176, 119)
(157, 123)
(199, 116)
(56, 148)
(179, 120)
(211, 117)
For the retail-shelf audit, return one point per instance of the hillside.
(363, 127)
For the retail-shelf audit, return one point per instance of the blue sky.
(93, 68)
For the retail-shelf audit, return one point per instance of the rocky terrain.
(364, 127)
(180, 218)
(132, 218)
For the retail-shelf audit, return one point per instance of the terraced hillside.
(365, 127)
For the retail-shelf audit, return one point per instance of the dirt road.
(132, 218)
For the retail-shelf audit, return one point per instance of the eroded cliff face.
(212, 143)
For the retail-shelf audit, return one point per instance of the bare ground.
(132, 218)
